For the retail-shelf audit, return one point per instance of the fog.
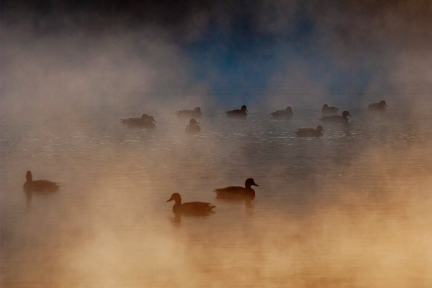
(351, 209)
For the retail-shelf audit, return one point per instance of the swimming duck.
(193, 126)
(39, 186)
(196, 113)
(328, 109)
(378, 106)
(310, 132)
(189, 207)
(242, 112)
(149, 123)
(283, 113)
(337, 118)
(237, 192)
(135, 122)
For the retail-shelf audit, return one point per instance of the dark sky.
(242, 48)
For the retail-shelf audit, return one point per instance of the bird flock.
(40, 187)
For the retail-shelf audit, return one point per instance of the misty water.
(349, 209)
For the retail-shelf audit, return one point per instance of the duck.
(135, 122)
(190, 207)
(149, 123)
(193, 126)
(329, 109)
(242, 112)
(196, 113)
(310, 132)
(237, 192)
(39, 186)
(337, 118)
(378, 106)
(283, 113)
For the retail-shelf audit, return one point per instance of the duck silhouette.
(381, 106)
(193, 126)
(38, 187)
(149, 123)
(195, 113)
(310, 132)
(283, 113)
(135, 122)
(237, 192)
(190, 207)
(329, 109)
(240, 113)
(145, 121)
(337, 118)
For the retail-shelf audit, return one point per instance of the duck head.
(243, 108)
(319, 128)
(345, 114)
(197, 110)
(144, 116)
(289, 109)
(383, 103)
(151, 119)
(175, 197)
(193, 121)
(29, 176)
(250, 182)
(325, 106)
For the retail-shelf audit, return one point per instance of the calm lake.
(350, 209)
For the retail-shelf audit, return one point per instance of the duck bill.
(254, 184)
(169, 199)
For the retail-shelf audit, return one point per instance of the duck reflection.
(176, 220)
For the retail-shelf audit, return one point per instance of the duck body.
(337, 118)
(329, 109)
(193, 127)
(237, 192)
(195, 113)
(283, 113)
(190, 207)
(144, 122)
(381, 106)
(39, 186)
(238, 113)
(135, 122)
(310, 132)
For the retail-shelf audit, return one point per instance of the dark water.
(350, 209)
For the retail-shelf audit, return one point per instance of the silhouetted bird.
(149, 123)
(42, 186)
(283, 113)
(310, 132)
(193, 126)
(328, 109)
(196, 113)
(135, 122)
(39, 187)
(190, 207)
(378, 106)
(237, 192)
(237, 112)
(337, 118)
